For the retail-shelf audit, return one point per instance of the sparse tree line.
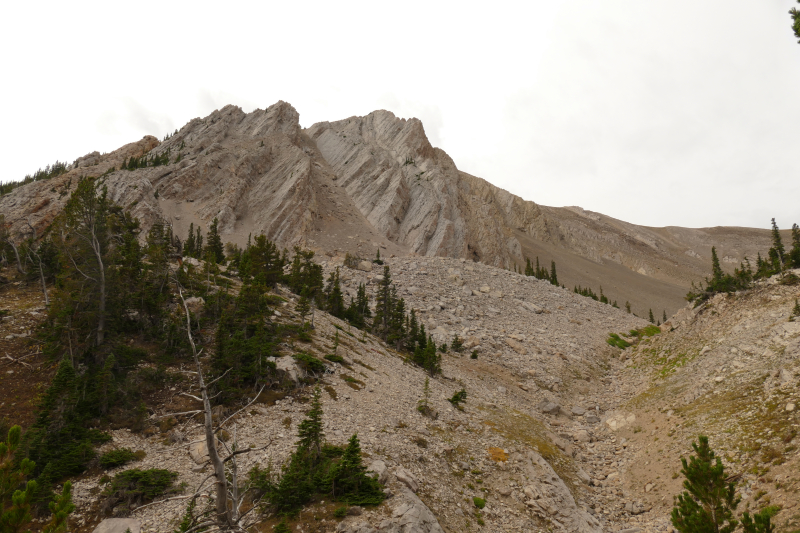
(778, 261)
(110, 295)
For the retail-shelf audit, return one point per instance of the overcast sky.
(659, 113)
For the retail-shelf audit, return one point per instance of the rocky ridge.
(376, 181)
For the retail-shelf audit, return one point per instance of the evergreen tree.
(794, 255)
(190, 243)
(302, 308)
(759, 523)
(333, 295)
(664, 316)
(553, 276)
(776, 253)
(652, 318)
(310, 430)
(708, 503)
(214, 245)
(716, 270)
(283, 526)
(528, 268)
(383, 305)
(628, 307)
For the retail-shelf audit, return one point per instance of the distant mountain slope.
(376, 181)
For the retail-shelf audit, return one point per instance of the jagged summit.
(361, 183)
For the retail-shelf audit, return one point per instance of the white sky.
(659, 113)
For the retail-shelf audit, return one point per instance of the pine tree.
(528, 268)
(214, 245)
(708, 503)
(310, 430)
(302, 308)
(283, 526)
(189, 245)
(628, 307)
(776, 253)
(664, 316)
(198, 243)
(716, 270)
(383, 305)
(794, 255)
(553, 276)
(333, 295)
(759, 523)
(652, 318)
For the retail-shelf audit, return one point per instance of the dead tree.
(229, 496)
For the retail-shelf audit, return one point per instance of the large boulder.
(378, 468)
(406, 478)
(118, 525)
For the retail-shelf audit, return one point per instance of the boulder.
(366, 266)
(517, 346)
(578, 411)
(583, 436)
(411, 516)
(199, 452)
(195, 304)
(532, 308)
(485, 289)
(118, 525)
(378, 468)
(549, 408)
(406, 478)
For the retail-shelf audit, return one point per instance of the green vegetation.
(615, 340)
(134, 487)
(17, 496)
(316, 468)
(458, 398)
(709, 501)
(777, 262)
(480, 503)
(118, 457)
(50, 171)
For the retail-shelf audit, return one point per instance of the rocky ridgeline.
(377, 179)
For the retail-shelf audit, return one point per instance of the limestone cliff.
(376, 182)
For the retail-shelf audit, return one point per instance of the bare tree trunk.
(44, 286)
(101, 311)
(16, 254)
(223, 514)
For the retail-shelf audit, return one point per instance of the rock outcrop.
(376, 182)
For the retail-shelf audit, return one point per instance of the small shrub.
(480, 503)
(135, 487)
(309, 363)
(115, 458)
(335, 358)
(474, 354)
(340, 512)
(419, 441)
(458, 398)
(282, 527)
(457, 345)
(304, 335)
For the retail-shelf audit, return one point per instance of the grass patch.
(617, 341)
(365, 365)
(352, 382)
